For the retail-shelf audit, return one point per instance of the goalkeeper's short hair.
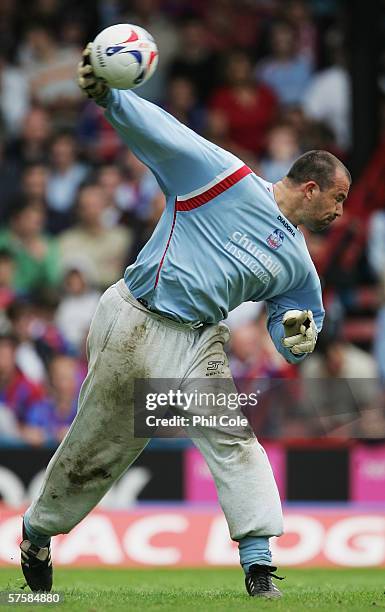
(319, 166)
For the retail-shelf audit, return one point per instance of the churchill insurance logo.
(276, 238)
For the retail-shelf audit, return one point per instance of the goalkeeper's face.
(325, 206)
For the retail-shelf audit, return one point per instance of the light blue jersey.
(222, 240)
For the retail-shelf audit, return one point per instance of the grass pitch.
(205, 590)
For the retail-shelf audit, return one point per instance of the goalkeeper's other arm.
(300, 331)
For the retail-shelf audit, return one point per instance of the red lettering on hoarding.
(189, 537)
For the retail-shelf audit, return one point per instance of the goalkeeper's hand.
(300, 331)
(91, 86)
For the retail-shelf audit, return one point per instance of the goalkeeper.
(225, 237)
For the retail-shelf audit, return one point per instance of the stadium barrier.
(302, 471)
(184, 536)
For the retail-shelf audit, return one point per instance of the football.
(124, 55)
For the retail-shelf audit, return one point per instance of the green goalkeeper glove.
(300, 331)
(91, 86)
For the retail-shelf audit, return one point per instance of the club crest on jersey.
(275, 239)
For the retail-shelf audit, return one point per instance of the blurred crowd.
(266, 79)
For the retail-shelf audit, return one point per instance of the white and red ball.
(124, 55)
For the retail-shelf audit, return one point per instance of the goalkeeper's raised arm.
(181, 160)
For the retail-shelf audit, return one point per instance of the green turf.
(204, 590)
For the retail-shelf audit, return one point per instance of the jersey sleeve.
(309, 298)
(180, 159)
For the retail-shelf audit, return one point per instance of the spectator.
(252, 353)
(285, 70)
(76, 309)
(136, 194)
(31, 145)
(371, 425)
(282, 149)
(334, 110)
(8, 23)
(295, 117)
(96, 137)
(48, 420)
(232, 25)
(339, 359)
(9, 182)
(139, 201)
(246, 109)
(248, 312)
(47, 12)
(73, 31)
(51, 69)
(9, 429)
(36, 256)
(47, 337)
(376, 245)
(22, 316)
(67, 18)
(7, 270)
(147, 14)
(254, 362)
(317, 135)
(110, 179)
(34, 182)
(17, 392)
(298, 14)
(105, 248)
(65, 176)
(194, 60)
(182, 103)
(311, 134)
(376, 260)
(341, 384)
(14, 99)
